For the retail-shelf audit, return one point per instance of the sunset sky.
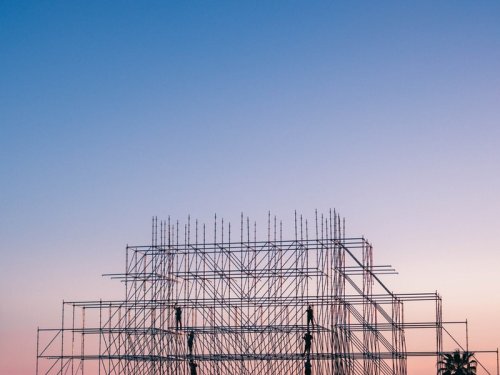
(114, 111)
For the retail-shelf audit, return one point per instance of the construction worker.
(307, 340)
(178, 317)
(310, 316)
(192, 367)
(307, 367)
(190, 342)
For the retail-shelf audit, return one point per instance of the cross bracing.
(241, 306)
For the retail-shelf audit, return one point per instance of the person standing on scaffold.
(192, 367)
(190, 342)
(307, 341)
(307, 367)
(310, 316)
(178, 318)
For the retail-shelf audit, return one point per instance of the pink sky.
(112, 113)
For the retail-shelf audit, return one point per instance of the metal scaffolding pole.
(308, 305)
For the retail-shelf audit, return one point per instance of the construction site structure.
(225, 302)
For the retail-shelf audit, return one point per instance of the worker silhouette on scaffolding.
(310, 316)
(190, 342)
(178, 317)
(192, 367)
(307, 367)
(307, 341)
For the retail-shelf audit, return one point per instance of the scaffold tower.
(227, 302)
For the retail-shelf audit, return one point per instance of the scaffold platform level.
(312, 304)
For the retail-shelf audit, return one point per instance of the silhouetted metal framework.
(244, 302)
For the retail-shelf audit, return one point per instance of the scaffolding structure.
(219, 303)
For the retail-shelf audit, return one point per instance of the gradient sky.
(111, 112)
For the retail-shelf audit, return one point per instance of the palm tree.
(457, 364)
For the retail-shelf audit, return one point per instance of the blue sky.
(111, 112)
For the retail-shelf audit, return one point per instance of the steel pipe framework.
(245, 303)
